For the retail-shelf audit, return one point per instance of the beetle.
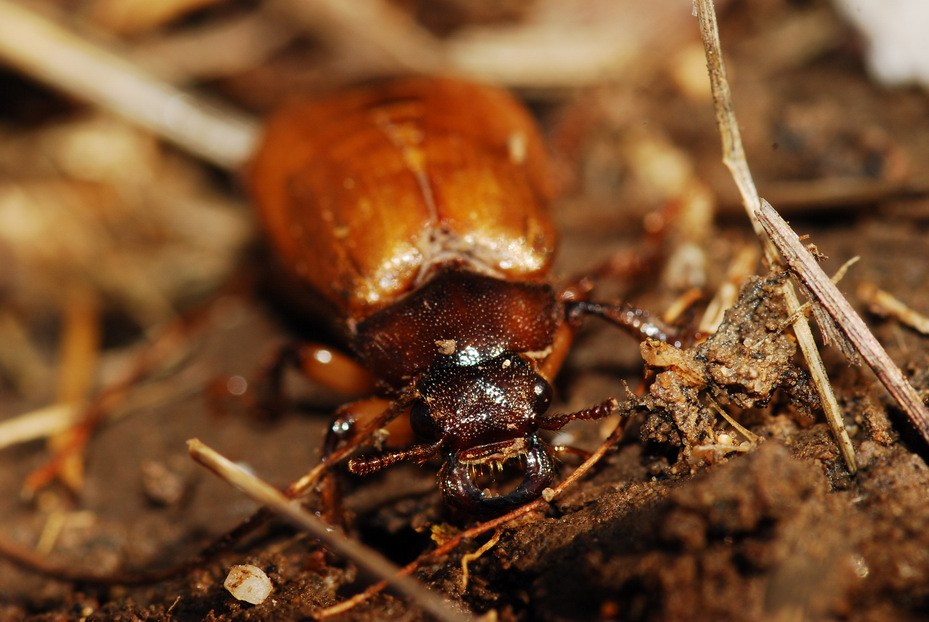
(415, 211)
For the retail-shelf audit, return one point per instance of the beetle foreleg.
(355, 423)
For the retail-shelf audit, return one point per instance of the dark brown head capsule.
(486, 415)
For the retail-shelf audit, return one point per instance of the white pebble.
(248, 583)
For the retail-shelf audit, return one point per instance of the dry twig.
(380, 28)
(734, 159)
(824, 293)
(72, 64)
(366, 558)
(885, 304)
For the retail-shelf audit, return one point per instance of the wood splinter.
(280, 504)
(823, 292)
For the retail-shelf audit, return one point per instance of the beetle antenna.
(368, 465)
(599, 411)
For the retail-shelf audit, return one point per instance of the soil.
(674, 524)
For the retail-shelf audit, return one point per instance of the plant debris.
(742, 364)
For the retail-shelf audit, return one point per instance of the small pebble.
(163, 484)
(248, 583)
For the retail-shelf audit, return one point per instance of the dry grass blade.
(36, 424)
(67, 62)
(734, 159)
(886, 304)
(822, 290)
(378, 27)
(367, 559)
(218, 48)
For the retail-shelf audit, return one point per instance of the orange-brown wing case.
(366, 193)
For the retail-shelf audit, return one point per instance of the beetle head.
(486, 416)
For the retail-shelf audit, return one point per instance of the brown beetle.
(416, 211)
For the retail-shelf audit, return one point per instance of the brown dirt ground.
(780, 533)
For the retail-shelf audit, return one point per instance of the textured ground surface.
(663, 529)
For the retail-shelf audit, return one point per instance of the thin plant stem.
(735, 161)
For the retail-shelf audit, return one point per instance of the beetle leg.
(633, 320)
(598, 411)
(370, 464)
(631, 265)
(357, 415)
(637, 322)
(561, 346)
(568, 450)
(348, 430)
(320, 363)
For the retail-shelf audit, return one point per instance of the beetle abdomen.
(366, 193)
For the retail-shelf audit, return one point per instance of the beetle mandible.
(415, 211)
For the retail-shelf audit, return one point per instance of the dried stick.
(90, 72)
(496, 523)
(734, 159)
(218, 48)
(37, 424)
(886, 304)
(393, 37)
(369, 560)
(823, 291)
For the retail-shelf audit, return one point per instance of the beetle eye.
(543, 395)
(421, 421)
